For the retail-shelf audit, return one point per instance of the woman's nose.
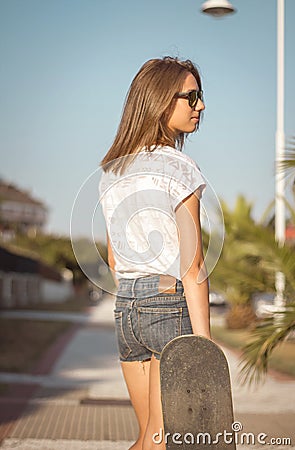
(200, 106)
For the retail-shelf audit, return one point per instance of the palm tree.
(266, 336)
(272, 331)
(239, 272)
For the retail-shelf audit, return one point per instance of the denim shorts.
(147, 320)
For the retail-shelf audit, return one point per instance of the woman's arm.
(192, 268)
(111, 260)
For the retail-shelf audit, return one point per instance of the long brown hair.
(148, 107)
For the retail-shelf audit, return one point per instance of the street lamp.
(219, 8)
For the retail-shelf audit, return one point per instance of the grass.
(281, 360)
(231, 338)
(22, 342)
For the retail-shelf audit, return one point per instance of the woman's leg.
(136, 375)
(155, 423)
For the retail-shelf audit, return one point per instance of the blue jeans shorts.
(147, 320)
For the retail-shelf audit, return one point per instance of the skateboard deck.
(196, 395)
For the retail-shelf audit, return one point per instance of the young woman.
(150, 194)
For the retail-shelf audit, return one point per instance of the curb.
(47, 360)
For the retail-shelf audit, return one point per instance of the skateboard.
(196, 396)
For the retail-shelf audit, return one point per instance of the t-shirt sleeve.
(185, 180)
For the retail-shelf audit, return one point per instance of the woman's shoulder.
(177, 158)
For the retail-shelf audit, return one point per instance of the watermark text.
(228, 437)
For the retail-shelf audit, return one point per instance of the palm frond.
(287, 166)
(266, 336)
(249, 260)
(266, 216)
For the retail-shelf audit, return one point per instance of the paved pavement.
(82, 402)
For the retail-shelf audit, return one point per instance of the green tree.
(272, 331)
(241, 271)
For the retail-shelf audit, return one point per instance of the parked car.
(262, 303)
(216, 299)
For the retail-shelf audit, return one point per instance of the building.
(20, 212)
(25, 280)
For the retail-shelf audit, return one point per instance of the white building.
(19, 211)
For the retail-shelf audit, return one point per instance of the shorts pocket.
(157, 326)
(124, 349)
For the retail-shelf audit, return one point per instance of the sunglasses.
(192, 97)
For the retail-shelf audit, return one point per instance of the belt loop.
(133, 287)
(182, 288)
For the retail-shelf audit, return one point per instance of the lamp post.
(280, 225)
(219, 8)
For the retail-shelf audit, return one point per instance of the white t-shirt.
(139, 210)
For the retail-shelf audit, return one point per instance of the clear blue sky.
(66, 65)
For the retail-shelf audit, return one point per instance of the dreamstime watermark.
(227, 437)
(139, 208)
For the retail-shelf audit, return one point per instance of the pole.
(280, 144)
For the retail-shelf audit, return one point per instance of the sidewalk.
(82, 403)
